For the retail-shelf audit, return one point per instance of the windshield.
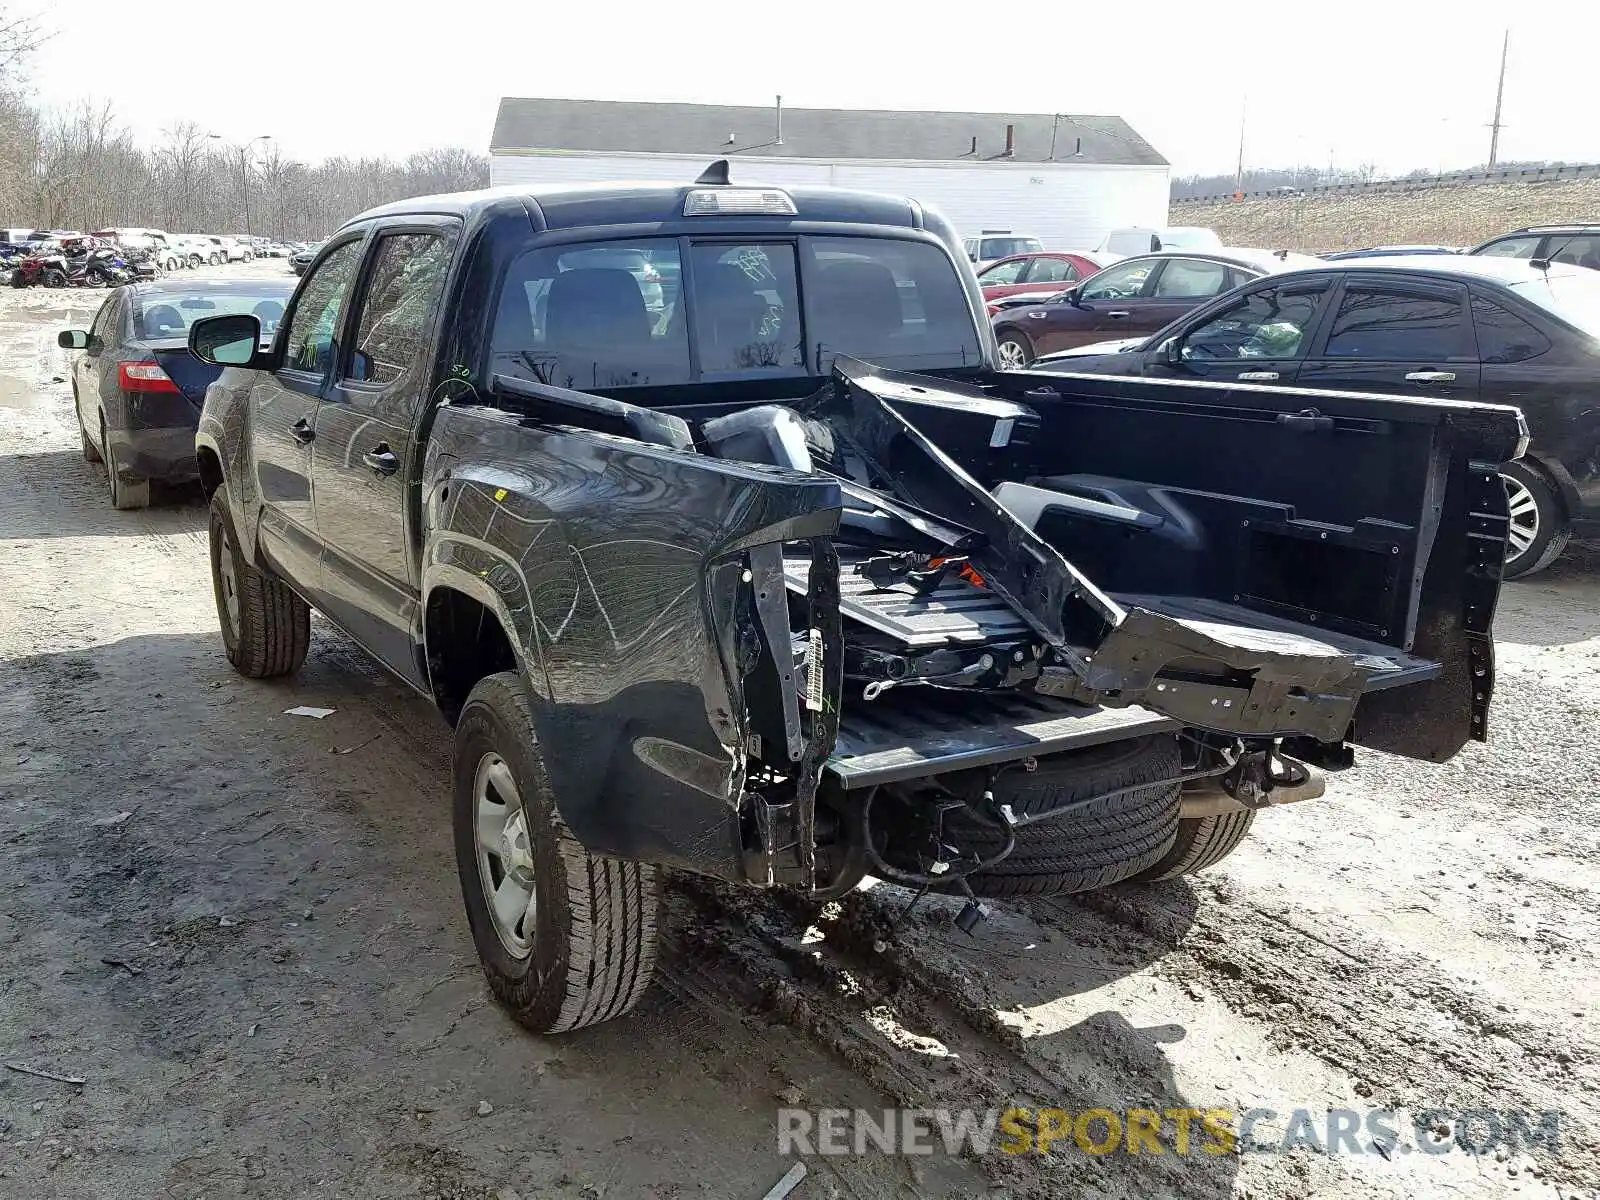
(156, 317)
(1574, 298)
(636, 314)
(1005, 247)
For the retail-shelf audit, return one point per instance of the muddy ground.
(243, 931)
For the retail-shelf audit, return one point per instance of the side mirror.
(1171, 351)
(73, 339)
(232, 341)
(1068, 296)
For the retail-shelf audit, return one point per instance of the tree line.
(82, 169)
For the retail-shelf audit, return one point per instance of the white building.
(1066, 180)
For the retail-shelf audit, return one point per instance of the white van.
(1138, 240)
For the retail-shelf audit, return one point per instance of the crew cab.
(784, 582)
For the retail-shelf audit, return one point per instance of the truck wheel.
(1094, 847)
(566, 938)
(1539, 531)
(266, 628)
(1202, 842)
(1016, 351)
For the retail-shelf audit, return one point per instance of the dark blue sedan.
(138, 390)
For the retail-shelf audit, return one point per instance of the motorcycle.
(47, 269)
(98, 266)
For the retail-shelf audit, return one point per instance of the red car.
(1035, 272)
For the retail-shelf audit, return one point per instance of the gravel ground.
(243, 931)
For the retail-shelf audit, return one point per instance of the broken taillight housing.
(144, 376)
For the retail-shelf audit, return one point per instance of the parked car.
(136, 387)
(1450, 326)
(1133, 296)
(1386, 252)
(1139, 240)
(994, 244)
(1577, 244)
(658, 650)
(1033, 272)
(301, 259)
(1018, 299)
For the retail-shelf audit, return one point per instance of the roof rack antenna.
(716, 173)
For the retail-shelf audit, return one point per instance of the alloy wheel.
(1012, 356)
(1524, 506)
(229, 578)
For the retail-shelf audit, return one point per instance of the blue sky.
(1399, 84)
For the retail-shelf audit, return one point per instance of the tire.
(266, 627)
(1539, 530)
(96, 278)
(54, 278)
(127, 491)
(18, 279)
(195, 261)
(1095, 847)
(90, 454)
(587, 952)
(1201, 842)
(214, 259)
(1016, 351)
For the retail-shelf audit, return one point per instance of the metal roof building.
(1066, 179)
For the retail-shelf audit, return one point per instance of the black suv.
(1440, 325)
(1577, 244)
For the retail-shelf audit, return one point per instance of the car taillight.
(144, 377)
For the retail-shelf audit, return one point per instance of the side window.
(1051, 270)
(1121, 282)
(1392, 326)
(1504, 337)
(1581, 251)
(315, 324)
(1002, 273)
(747, 307)
(102, 332)
(1271, 323)
(1185, 278)
(397, 313)
(1512, 247)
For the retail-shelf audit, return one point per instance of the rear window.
(611, 315)
(1572, 296)
(1005, 247)
(169, 316)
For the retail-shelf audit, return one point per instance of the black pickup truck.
(705, 516)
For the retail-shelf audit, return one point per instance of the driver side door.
(1260, 336)
(1101, 309)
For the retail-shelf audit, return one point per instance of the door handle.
(381, 459)
(303, 433)
(1259, 376)
(1121, 314)
(1431, 376)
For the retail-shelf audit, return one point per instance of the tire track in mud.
(888, 996)
(1413, 1036)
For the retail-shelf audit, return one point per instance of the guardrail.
(1549, 174)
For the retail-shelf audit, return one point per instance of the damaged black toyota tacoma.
(704, 514)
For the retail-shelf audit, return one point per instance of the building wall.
(1460, 214)
(1065, 205)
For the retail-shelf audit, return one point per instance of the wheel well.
(210, 468)
(465, 642)
(1561, 485)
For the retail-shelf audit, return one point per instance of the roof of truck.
(570, 206)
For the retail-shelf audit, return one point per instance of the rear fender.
(623, 573)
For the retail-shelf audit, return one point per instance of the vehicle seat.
(597, 307)
(269, 313)
(768, 433)
(162, 320)
(730, 314)
(860, 298)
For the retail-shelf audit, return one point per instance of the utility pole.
(1238, 174)
(244, 170)
(1499, 95)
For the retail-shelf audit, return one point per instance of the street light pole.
(244, 171)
